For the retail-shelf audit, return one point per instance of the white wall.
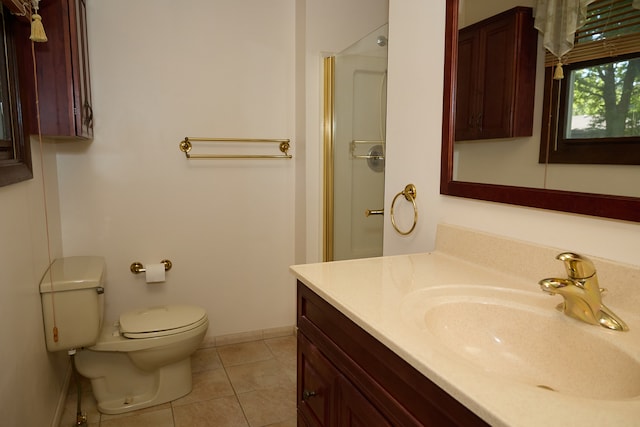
(231, 228)
(163, 70)
(414, 117)
(31, 379)
(413, 155)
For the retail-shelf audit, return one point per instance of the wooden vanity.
(370, 353)
(348, 378)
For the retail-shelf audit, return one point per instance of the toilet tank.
(72, 296)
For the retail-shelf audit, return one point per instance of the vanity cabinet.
(63, 80)
(496, 77)
(346, 377)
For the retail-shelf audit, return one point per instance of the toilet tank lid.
(73, 273)
(160, 318)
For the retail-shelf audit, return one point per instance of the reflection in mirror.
(15, 154)
(509, 111)
(514, 161)
(507, 170)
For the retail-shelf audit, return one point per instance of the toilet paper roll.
(154, 273)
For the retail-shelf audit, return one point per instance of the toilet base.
(119, 386)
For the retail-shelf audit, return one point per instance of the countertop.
(372, 292)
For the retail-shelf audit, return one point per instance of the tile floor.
(250, 384)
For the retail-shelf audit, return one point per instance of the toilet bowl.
(134, 370)
(142, 360)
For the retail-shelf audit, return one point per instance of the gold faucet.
(582, 294)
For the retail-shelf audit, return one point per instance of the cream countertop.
(371, 292)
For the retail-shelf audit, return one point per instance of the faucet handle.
(577, 266)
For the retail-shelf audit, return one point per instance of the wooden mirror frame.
(601, 205)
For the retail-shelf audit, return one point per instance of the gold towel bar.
(185, 147)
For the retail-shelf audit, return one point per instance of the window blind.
(612, 28)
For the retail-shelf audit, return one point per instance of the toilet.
(143, 359)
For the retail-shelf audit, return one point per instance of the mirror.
(524, 194)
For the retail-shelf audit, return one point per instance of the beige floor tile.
(292, 422)
(238, 354)
(269, 406)
(207, 385)
(283, 348)
(108, 417)
(242, 384)
(158, 418)
(205, 359)
(222, 412)
(259, 375)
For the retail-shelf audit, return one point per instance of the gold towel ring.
(409, 194)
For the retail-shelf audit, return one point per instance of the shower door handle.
(369, 212)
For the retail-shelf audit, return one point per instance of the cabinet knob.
(306, 394)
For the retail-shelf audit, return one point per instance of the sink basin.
(519, 335)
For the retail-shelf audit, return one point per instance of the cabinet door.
(83, 109)
(64, 90)
(466, 86)
(354, 410)
(316, 385)
(496, 74)
(495, 83)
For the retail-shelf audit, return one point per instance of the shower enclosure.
(354, 138)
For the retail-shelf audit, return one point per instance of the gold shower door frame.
(327, 127)
(363, 189)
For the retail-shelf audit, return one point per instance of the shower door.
(357, 150)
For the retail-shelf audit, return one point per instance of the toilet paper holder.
(137, 267)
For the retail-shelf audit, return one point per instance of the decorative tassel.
(37, 29)
(559, 73)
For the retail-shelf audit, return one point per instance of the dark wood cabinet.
(316, 384)
(326, 397)
(346, 377)
(63, 80)
(496, 77)
(355, 410)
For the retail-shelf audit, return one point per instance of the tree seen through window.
(605, 100)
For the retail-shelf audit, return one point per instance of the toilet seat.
(161, 321)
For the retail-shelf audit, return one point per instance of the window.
(594, 112)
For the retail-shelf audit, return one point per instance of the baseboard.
(261, 334)
(62, 398)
